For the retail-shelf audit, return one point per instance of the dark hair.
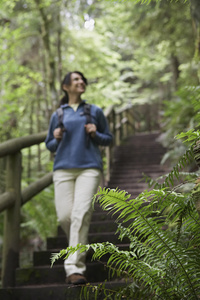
(67, 81)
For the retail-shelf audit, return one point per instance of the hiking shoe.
(76, 279)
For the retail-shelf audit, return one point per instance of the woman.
(77, 167)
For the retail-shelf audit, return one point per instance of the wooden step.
(43, 258)
(97, 226)
(40, 275)
(55, 292)
(61, 241)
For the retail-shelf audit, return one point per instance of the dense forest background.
(130, 51)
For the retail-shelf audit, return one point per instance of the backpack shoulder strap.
(87, 112)
(59, 112)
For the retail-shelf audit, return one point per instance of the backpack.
(86, 112)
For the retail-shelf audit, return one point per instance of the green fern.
(158, 242)
(156, 259)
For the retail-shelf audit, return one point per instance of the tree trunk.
(29, 149)
(59, 43)
(175, 70)
(49, 58)
(38, 128)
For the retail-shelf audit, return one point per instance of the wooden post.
(125, 125)
(130, 122)
(113, 129)
(108, 164)
(12, 222)
(121, 127)
(117, 130)
(148, 117)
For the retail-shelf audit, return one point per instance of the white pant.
(74, 189)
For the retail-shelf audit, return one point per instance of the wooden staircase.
(139, 154)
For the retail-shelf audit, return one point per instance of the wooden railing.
(122, 122)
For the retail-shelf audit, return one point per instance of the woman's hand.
(58, 133)
(91, 129)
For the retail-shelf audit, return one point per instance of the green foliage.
(126, 59)
(142, 38)
(181, 115)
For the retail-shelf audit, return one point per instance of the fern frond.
(186, 159)
(170, 178)
(56, 256)
(145, 227)
(65, 253)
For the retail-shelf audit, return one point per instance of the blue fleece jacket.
(73, 151)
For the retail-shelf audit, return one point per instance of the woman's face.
(77, 85)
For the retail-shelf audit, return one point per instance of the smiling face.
(77, 85)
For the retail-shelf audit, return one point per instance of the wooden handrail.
(6, 200)
(17, 144)
(36, 187)
(121, 122)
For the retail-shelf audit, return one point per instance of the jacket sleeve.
(50, 141)
(103, 136)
